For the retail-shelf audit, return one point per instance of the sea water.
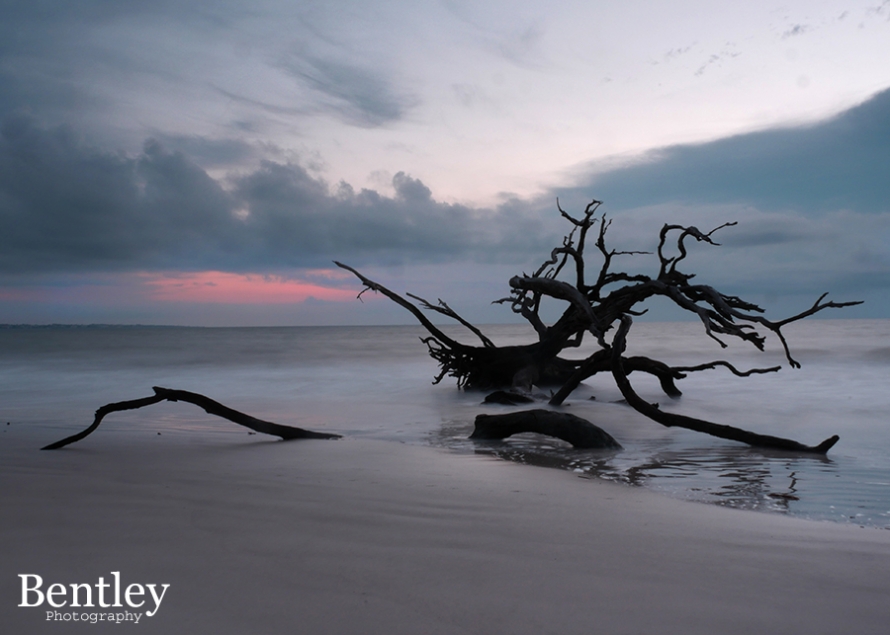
(376, 382)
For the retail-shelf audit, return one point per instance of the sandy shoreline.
(258, 536)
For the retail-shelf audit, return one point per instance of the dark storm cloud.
(812, 203)
(294, 217)
(838, 164)
(66, 206)
(208, 152)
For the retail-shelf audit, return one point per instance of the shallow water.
(375, 382)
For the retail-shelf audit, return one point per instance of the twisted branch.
(699, 425)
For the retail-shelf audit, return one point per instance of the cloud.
(117, 70)
(677, 52)
(68, 206)
(296, 219)
(716, 59)
(65, 205)
(768, 252)
(837, 164)
(881, 10)
(521, 48)
(794, 31)
(472, 95)
(812, 204)
(207, 152)
(358, 96)
(58, 35)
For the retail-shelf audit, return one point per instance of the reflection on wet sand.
(731, 475)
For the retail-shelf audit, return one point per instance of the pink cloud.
(233, 288)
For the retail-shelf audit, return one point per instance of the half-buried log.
(575, 430)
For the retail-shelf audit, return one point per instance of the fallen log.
(575, 430)
(210, 407)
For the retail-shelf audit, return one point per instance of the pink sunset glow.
(233, 288)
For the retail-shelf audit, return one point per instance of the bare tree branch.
(714, 429)
(444, 309)
(395, 297)
(733, 369)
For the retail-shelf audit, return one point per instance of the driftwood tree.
(596, 304)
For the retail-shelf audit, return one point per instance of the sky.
(204, 162)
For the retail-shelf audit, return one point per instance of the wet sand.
(258, 536)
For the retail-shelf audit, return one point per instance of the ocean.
(376, 383)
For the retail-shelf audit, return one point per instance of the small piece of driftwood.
(577, 431)
(209, 405)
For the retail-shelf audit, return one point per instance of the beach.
(375, 383)
(255, 535)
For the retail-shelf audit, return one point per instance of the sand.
(257, 536)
